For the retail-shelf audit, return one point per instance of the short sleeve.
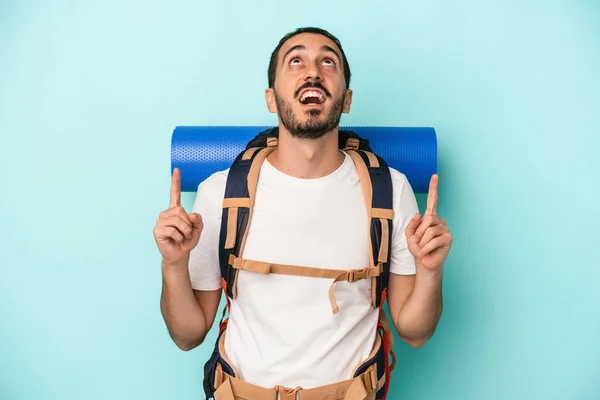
(204, 269)
(405, 206)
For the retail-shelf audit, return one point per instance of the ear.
(270, 98)
(347, 102)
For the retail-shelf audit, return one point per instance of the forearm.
(419, 315)
(181, 311)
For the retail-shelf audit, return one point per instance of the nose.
(313, 72)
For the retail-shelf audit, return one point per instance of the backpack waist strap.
(352, 389)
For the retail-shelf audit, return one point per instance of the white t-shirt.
(281, 329)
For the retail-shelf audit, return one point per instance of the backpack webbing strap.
(238, 203)
(376, 183)
(384, 323)
(335, 274)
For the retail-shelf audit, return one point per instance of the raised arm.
(188, 314)
(415, 301)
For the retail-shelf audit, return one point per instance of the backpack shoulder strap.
(238, 203)
(377, 188)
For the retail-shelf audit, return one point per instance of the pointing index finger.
(175, 188)
(432, 197)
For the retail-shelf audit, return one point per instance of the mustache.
(315, 85)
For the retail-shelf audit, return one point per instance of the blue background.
(91, 91)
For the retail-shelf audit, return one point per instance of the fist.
(176, 233)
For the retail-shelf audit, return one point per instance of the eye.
(329, 62)
(295, 61)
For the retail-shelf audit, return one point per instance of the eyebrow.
(302, 47)
(296, 47)
(332, 50)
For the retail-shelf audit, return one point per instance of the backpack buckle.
(352, 144)
(356, 275)
(370, 379)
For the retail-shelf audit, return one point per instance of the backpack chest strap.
(337, 275)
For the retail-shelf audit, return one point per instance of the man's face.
(310, 92)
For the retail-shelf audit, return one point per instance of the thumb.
(196, 221)
(412, 226)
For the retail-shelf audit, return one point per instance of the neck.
(307, 158)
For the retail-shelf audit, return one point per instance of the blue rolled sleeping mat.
(200, 151)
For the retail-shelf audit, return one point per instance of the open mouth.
(312, 97)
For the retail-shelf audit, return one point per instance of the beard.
(315, 126)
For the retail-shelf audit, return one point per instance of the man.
(309, 210)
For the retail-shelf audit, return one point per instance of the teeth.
(311, 93)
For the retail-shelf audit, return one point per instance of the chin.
(313, 114)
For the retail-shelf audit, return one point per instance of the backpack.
(238, 201)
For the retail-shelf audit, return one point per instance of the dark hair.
(319, 31)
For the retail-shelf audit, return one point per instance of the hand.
(428, 238)
(176, 233)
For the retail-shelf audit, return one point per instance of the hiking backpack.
(238, 202)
